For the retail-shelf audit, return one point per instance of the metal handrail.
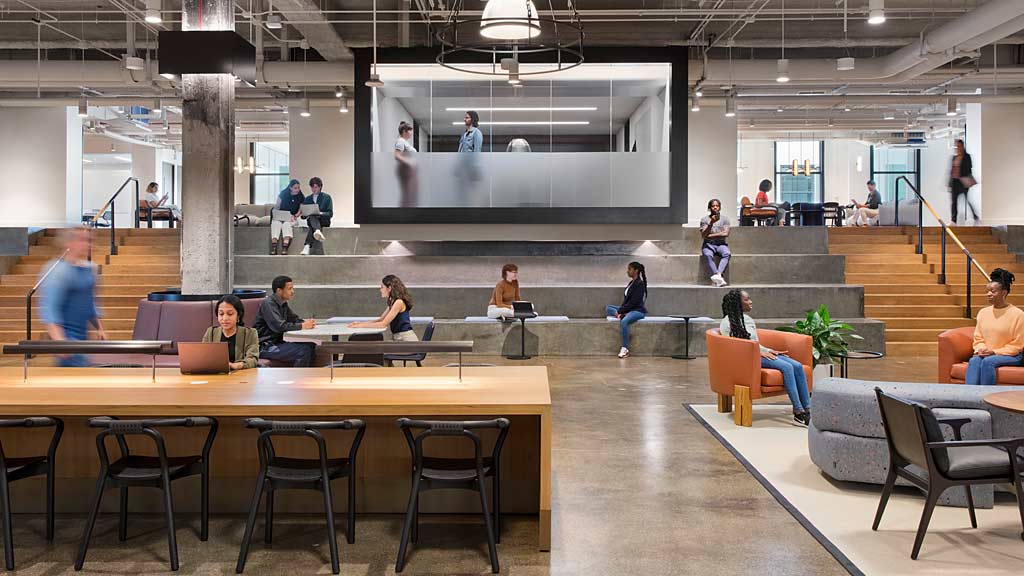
(32, 291)
(971, 261)
(110, 203)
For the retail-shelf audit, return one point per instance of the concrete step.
(874, 289)
(923, 323)
(871, 249)
(10, 336)
(115, 290)
(894, 311)
(890, 277)
(873, 267)
(577, 301)
(162, 280)
(538, 270)
(8, 312)
(911, 349)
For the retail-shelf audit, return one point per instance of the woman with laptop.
(243, 343)
(505, 293)
(396, 315)
(285, 215)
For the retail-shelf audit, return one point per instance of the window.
(799, 188)
(888, 164)
(271, 174)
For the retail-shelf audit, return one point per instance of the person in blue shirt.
(69, 296)
(468, 169)
(472, 139)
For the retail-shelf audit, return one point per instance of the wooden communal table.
(377, 395)
(1012, 400)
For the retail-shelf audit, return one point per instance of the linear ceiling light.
(526, 109)
(876, 12)
(730, 106)
(532, 123)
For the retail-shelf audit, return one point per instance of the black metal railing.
(31, 293)
(110, 204)
(971, 261)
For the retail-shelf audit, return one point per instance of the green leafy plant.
(828, 336)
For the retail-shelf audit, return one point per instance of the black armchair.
(915, 438)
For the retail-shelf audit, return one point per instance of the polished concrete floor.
(639, 488)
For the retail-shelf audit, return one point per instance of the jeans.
(72, 361)
(628, 320)
(300, 354)
(793, 378)
(313, 222)
(722, 250)
(982, 369)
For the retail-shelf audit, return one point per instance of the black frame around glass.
(253, 175)
(675, 213)
(820, 172)
(916, 172)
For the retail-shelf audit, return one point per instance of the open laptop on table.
(203, 357)
(523, 309)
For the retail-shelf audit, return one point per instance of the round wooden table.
(1012, 400)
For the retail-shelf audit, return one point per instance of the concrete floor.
(639, 488)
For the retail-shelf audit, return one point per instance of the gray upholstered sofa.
(847, 442)
(908, 212)
(253, 214)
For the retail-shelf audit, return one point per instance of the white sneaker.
(305, 250)
(717, 280)
(318, 235)
(721, 282)
(623, 352)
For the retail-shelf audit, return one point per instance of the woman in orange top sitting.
(999, 335)
(506, 291)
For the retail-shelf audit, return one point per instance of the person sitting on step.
(289, 200)
(505, 292)
(634, 304)
(714, 229)
(999, 333)
(396, 315)
(738, 324)
(323, 202)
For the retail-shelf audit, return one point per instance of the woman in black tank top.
(396, 316)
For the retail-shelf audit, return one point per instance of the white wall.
(40, 155)
(756, 159)
(998, 166)
(321, 145)
(711, 162)
(242, 192)
(842, 180)
(100, 182)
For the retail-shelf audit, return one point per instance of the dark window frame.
(916, 173)
(253, 175)
(820, 172)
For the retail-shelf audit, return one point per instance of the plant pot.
(822, 371)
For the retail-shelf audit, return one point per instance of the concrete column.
(208, 135)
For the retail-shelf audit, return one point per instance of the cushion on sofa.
(185, 321)
(147, 320)
(1004, 375)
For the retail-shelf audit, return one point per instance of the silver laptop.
(309, 209)
(281, 215)
(203, 357)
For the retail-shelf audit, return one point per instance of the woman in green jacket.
(243, 343)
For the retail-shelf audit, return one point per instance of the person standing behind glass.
(290, 199)
(961, 178)
(468, 170)
(69, 296)
(405, 156)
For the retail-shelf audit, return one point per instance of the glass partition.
(799, 187)
(593, 136)
(888, 164)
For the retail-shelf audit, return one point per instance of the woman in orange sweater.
(999, 335)
(506, 291)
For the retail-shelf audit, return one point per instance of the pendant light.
(305, 113)
(152, 15)
(950, 106)
(83, 107)
(374, 81)
(344, 106)
(876, 12)
(730, 105)
(796, 167)
(694, 104)
(510, 20)
(782, 66)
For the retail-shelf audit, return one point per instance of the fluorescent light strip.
(539, 123)
(541, 109)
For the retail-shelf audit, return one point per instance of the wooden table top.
(1012, 400)
(504, 390)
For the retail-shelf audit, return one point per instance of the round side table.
(1012, 400)
(686, 330)
(856, 355)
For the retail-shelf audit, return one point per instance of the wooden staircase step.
(101, 301)
(873, 267)
(941, 323)
(9, 336)
(974, 248)
(128, 290)
(893, 311)
(123, 269)
(891, 277)
(888, 260)
(863, 240)
(870, 231)
(168, 243)
(149, 280)
(128, 260)
(905, 289)
(905, 349)
(112, 312)
(17, 324)
(912, 334)
(910, 299)
(871, 249)
(99, 250)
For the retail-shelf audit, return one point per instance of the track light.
(375, 81)
(338, 93)
(950, 106)
(344, 106)
(780, 109)
(795, 168)
(846, 108)
(888, 116)
(83, 107)
(305, 113)
(133, 63)
(730, 106)
(876, 11)
(274, 22)
(782, 66)
(844, 64)
(694, 104)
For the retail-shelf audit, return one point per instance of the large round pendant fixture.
(510, 20)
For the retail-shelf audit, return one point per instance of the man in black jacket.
(274, 319)
(322, 200)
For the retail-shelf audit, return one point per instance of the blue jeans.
(982, 369)
(793, 378)
(300, 354)
(628, 320)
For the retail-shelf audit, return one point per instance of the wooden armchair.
(734, 368)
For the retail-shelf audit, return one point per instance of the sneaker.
(723, 283)
(802, 419)
(623, 352)
(715, 278)
(305, 250)
(284, 250)
(273, 249)
(318, 235)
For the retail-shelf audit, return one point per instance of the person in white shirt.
(153, 200)
(405, 156)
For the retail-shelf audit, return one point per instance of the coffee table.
(1012, 400)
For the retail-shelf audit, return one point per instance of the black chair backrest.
(428, 332)
(908, 426)
(310, 429)
(35, 422)
(452, 429)
(364, 358)
(118, 428)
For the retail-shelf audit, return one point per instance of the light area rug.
(839, 514)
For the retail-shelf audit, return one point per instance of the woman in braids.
(633, 304)
(738, 324)
(999, 334)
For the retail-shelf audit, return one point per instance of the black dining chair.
(278, 472)
(915, 438)
(419, 357)
(431, 473)
(833, 213)
(133, 470)
(21, 467)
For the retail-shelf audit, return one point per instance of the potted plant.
(828, 338)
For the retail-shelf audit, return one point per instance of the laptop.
(281, 215)
(309, 210)
(203, 357)
(523, 309)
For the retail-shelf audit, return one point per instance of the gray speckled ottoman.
(847, 442)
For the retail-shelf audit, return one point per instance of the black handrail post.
(136, 203)
(942, 231)
(897, 203)
(113, 241)
(969, 263)
(920, 227)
